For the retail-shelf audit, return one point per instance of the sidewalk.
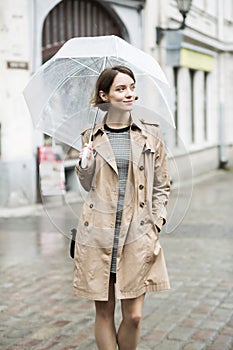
(39, 311)
(37, 209)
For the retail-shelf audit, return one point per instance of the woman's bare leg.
(129, 330)
(105, 331)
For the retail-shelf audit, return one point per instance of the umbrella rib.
(104, 63)
(84, 65)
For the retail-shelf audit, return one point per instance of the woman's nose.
(129, 92)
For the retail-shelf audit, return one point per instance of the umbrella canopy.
(58, 95)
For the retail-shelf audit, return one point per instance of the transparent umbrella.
(58, 95)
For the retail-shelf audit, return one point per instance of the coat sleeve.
(85, 175)
(161, 184)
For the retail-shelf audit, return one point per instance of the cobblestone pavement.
(38, 310)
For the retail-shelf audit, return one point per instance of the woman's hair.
(105, 80)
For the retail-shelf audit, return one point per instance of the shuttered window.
(74, 18)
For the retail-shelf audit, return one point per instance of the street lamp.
(184, 7)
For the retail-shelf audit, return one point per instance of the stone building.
(198, 62)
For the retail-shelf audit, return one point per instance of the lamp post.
(184, 7)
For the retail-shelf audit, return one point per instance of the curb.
(39, 209)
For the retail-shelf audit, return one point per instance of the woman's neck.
(118, 120)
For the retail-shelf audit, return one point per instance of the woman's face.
(122, 92)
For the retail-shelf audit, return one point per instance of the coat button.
(142, 222)
(141, 187)
(91, 205)
(142, 204)
(141, 167)
(86, 223)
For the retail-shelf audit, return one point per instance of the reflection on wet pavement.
(22, 239)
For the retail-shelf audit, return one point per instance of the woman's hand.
(86, 156)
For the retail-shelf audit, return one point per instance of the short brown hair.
(105, 80)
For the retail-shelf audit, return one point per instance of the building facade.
(197, 61)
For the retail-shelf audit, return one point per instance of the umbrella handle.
(86, 155)
(84, 160)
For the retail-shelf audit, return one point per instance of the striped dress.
(120, 142)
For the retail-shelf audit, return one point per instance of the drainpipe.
(222, 148)
(221, 109)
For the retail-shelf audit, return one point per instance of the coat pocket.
(153, 246)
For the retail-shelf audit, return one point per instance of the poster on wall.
(51, 170)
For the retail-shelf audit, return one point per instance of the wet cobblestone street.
(38, 310)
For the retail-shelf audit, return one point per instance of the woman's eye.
(122, 89)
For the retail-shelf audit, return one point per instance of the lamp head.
(184, 6)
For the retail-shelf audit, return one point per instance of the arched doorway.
(74, 18)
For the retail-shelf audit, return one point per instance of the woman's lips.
(128, 102)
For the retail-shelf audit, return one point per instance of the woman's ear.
(103, 96)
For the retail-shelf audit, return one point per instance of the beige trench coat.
(140, 261)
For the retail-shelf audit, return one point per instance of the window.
(199, 105)
(206, 74)
(192, 110)
(191, 95)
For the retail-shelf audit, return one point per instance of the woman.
(118, 253)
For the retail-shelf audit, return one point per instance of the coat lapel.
(102, 145)
(138, 141)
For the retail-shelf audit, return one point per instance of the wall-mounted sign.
(17, 65)
(196, 60)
